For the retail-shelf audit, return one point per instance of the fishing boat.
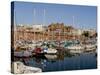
(67, 43)
(76, 48)
(38, 51)
(32, 45)
(51, 51)
(20, 68)
(47, 50)
(76, 51)
(39, 43)
(23, 53)
(90, 47)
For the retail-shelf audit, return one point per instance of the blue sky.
(84, 16)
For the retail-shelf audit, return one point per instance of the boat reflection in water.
(61, 61)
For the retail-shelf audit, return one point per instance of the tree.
(85, 34)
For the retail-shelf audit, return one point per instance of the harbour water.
(62, 62)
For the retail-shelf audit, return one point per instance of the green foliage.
(86, 34)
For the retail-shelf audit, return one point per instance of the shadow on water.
(61, 61)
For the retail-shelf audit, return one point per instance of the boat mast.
(43, 24)
(52, 32)
(64, 34)
(59, 34)
(73, 21)
(73, 26)
(34, 13)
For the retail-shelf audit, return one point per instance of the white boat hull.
(51, 56)
(50, 51)
(90, 47)
(76, 49)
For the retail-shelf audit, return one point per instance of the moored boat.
(51, 51)
(76, 51)
(76, 48)
(90, 47)
(25, 53)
